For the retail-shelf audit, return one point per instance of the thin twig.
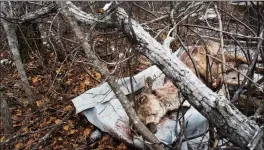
(225, 32)
(254, 33)
(222, 51)
(155, 20)
(145, 9)
(251, 67)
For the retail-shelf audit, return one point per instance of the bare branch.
(222, 51)
(32, 15)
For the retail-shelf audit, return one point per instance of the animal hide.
(208, 60)
(152, 105)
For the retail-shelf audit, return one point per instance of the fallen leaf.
(66, 127)
(67, 108)
(25, 102)
(52, 118)
(70, 123)
(30, 141)
(18, 112)
(60, 139)
(100, 11)
(97, 75)
(122, 146)
(45, 122)
(2, 139)
(18, 145)
(69, 81)
(58, 70)
(51, 54)
(75, 145)
(163, 36)
(99, 39)
(48, 121)
(35, 79)
(72, 131)
(58, 121)
(25, 129)
(39, 103)
(86, 81)
(87, 132)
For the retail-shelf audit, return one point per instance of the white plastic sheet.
(104, 110)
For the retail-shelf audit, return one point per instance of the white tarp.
(102, 109)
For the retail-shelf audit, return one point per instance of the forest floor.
(54, 86)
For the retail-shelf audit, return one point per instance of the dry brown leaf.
(70, 123)
(48, 121)
(25, 102)
(25, 129)
(69, 81)
(86, 81)
(18, 112)
(45, 122)
(87, 132)
(39, 103)
(18, 145)
(97, 75)
(122, 146)
(67, 108)
(58, 121)
(75, 145)
(52, 118)
(30, 141)
(163, 36)
(99, 39)
(71, 131)
(66, 127)
(35, 79)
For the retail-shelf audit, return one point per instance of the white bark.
(5, 115)
(34, 15)
(228, 120)
(13, 45)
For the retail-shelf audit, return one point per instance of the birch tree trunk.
(13, 45)
(228, 120)
(5, 115)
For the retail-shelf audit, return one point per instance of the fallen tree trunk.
(228, 120)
